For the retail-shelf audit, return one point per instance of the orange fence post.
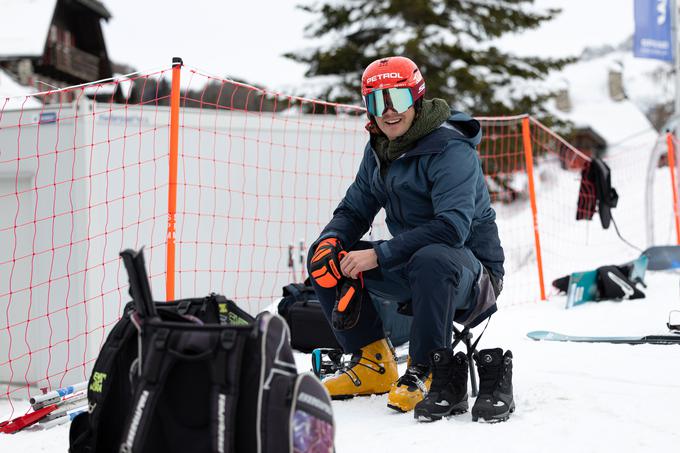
(172, 180)
(671, 166)
(529, 158)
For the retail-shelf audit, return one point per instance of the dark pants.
(438, 280)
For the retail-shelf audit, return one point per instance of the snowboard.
(545, 335)
(663, 257)
(582, 286)
(640, 266)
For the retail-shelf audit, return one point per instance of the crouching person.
(444, 262)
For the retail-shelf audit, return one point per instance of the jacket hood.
(468, 128)
(458, 126)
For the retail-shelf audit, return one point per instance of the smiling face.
(395, 124)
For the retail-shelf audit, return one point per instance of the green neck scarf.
(432, 114)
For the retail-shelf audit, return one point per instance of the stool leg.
(466, 337)
(458, 336)
(473, 373)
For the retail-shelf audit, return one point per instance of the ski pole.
(56, 395)
(69, 416)
(67, 406)
(302, 260)
(59, 401)
(291, 261)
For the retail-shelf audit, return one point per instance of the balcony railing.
(73, 61)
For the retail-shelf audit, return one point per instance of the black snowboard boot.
(494, 402)
(448, 392)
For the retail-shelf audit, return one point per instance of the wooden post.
(529, 159)
(172, 179)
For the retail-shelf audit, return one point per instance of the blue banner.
(653, 35)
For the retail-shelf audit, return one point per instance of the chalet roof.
(590, 132)
(24, 24)
(613, 121)
(97, 7)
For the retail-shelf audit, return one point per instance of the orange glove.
(348, 305)
(325, 264)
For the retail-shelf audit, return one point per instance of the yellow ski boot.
(410, 389)
(372, 372)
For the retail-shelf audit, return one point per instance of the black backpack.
(199, 375)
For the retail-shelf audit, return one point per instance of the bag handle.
(293, 289)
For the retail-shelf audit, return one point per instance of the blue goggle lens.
(400, 99)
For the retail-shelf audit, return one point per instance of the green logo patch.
(97, 381)
(237, 320)
(228, 317)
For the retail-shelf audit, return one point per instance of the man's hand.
(358, 261)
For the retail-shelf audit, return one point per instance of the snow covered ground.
(570, 397)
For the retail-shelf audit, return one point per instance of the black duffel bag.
(309, 328)
(177, 383)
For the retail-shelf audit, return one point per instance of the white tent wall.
(64, 222)
(36, 183)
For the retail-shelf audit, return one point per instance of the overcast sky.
(246, 38)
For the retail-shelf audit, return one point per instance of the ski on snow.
(646, 339)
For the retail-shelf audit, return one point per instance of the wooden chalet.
(47, 44)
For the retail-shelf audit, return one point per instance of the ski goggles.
(399, 99)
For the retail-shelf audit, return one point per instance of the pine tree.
(450, 40)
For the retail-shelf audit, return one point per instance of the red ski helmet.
(399, 77)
